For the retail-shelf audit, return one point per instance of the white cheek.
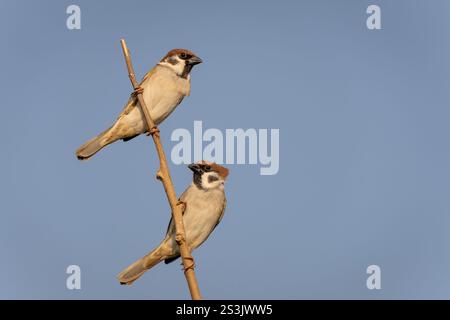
(177, 68)
(205, 182)
(210, 185)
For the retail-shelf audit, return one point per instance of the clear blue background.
(364, 160)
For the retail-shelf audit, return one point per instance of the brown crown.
(222, 171)
(175, 52)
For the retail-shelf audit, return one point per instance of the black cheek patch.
(187, 69)
(212, 179)
(172, 61)
(198, 180)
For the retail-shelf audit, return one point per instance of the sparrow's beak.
(194, 60)
(194, 167)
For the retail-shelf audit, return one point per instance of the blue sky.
(364, 163)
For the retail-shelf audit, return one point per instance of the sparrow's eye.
(207, 168)
(183, 56)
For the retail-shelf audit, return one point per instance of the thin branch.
(163, 175)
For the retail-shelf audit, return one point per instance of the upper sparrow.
(164, 87)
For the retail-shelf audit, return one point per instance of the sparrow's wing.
(172, 225)
(132, 101)
(131, 104)
(148, 75)
(221, 214)
(171, 228)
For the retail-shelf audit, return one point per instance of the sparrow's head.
(208, 175)
(180, 61)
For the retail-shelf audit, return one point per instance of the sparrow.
(205, 204)
(164, 87)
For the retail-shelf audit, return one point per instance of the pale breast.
(163, 92)
(202, 214)
(203, 211)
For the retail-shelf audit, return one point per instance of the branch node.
(159, 175)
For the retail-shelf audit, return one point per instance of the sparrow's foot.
(189, 265)
(153, 130)
(182, 204)
(138, 90)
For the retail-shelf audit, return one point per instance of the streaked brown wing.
(221, 215)
(132, 101)
(172, 225)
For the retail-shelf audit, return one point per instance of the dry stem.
(163, 175)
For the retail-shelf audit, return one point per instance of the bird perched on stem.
(205, 205)
(164, 87)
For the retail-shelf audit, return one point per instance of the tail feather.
(138, 268)
(93, 146)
